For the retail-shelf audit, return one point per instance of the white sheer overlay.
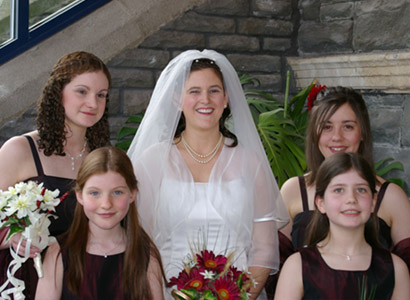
(239, 208)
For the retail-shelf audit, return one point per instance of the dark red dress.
(64, 211)
(103, 278)
(320, 282)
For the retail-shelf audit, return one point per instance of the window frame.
(27, 38)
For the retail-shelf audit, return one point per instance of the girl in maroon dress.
(343, 256)
(105, 254)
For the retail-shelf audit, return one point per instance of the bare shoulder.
(290, 192)
(290, 283)
(15, 152)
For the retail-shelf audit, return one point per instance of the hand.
(14, 242)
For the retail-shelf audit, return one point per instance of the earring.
(225, 106)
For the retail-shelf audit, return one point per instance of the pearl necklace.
(209, 156)
(73, 159)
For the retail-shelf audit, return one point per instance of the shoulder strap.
(303, 193)
(380, 195)
(36, 158)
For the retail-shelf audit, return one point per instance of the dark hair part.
(340, 163)
(139, 247)
(327, 103)
(50, 110)
(201, 64)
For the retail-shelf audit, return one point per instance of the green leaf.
(123, 145)
(135, 119)
(192, 293)
(126, 131)
(14, 229)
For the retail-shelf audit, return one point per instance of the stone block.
(309, 10)
(272, 8)
(255, 63)
(192, 21)
(333, 37)
(277, 44)
(384, 122)
(405, 125)
(225, 7)
(174, 39)
(114, 105)
(384, 28)
(17, 126)
(137, 78)
(140, 58)
(264, 26)
(135, 101)
(234, 43)
(336, 11)
(269, 82)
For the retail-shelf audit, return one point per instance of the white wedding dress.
(227, 213)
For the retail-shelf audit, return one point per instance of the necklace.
(348, 257)
(208, 156)
(107, 253)
(73, 159)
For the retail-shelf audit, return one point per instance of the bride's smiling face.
(204, 99)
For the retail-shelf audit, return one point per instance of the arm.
(51, 285)
(401, 279)
(16, 158)
(154, 276)
(290, 192)
(260, 275)
(290, 283)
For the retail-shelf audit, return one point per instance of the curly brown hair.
(50, 110)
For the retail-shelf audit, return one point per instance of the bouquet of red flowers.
(208, 276)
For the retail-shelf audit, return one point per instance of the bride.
(204, 179)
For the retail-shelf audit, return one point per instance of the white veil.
(161, 119)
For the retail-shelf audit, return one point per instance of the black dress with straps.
(303, 218)
(321, 282)
(64, 212)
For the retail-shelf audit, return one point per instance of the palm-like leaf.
(282, 145)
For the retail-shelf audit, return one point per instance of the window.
(24, 23)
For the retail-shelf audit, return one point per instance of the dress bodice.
(322, 282)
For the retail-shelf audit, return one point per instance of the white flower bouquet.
(26, 208)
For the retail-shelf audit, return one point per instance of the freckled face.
(204, 100)
(341, 133)
(84, 99)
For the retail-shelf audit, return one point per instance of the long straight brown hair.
(139, 247)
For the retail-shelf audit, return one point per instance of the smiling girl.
(343, 253)
(105, 254)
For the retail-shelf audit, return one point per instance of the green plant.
(281, 126)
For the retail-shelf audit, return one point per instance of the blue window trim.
(28, 38)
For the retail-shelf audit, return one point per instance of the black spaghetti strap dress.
(64, 212)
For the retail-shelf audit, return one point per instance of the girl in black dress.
(105, 254)
(343, 254)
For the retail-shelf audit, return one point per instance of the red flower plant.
(313, 94)
(189, 280)
(207, 276)
(227, 289)
(208, 261)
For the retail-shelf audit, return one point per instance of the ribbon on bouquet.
(15, 264)
(38, 235)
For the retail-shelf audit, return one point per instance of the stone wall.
(369, 26)
(257, 36)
